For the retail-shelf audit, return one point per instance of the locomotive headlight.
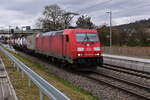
(80, 49)
(97, 54)
(97, 48)
(79, 54)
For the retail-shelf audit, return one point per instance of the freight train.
(79, 48)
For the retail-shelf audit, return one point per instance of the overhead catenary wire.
(94, 6)
(89, 9)
(105, 6)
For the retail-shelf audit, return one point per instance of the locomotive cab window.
(86, 37)
(67, 38)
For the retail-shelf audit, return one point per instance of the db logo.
(89, 49)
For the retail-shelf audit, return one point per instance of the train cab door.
(66, 46)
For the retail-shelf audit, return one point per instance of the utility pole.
(9, 27)
(110, 27)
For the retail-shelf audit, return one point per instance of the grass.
(25, 93)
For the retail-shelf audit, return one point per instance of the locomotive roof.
(52, 33)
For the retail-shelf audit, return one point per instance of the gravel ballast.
(100, 90)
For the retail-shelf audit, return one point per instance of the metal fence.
(142, 52)
(45, 88)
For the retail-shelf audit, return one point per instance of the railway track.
(127, 71)
(122, 84)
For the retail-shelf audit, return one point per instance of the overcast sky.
(26, 12)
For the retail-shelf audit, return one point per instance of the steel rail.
(124, 80)
(126, 70)
(119, 86)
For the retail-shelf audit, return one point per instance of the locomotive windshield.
(86, 37)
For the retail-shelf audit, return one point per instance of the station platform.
(6, 89)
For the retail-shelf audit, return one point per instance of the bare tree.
(53, 18)
(84, 22)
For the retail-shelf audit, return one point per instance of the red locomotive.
(74, 46)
